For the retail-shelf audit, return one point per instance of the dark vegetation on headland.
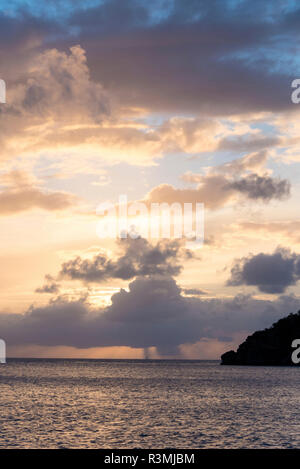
(270, 347)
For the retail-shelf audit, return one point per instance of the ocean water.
(147, 404)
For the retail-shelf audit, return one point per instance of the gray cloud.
(262, 187)
(22, 36)
(152, 313)
(200, 56)
(190, 58)
(139, 257)
(50, 286)
(270, 273)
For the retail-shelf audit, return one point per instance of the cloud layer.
(153, 313)
(212, 58)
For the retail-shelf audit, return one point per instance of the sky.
(166, 102)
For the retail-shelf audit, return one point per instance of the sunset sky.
(164, 101)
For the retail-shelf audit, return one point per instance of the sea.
(50, 403)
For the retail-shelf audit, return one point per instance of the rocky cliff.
(272, 346)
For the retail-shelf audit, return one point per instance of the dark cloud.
(57, 84)
(188, 58)
(138, 257)
(21, 37)
(262, 187)
(218, 57)
(153, 313)
(270, 273)
(112, 17)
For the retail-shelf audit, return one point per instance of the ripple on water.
(147, 404)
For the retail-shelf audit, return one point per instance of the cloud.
(262, 187)
(225, 183)
(20, 200)
(253, 162)
(163, 57)
(152, 313)
(58, 103)
(270, 273)
(138, 257)
(170, 58)
(50, 286)
(54, 91)
(185, 59)
(18, 195)
(22, 36)
(213, 192)
(55, 106)
(246, 143)
(58, 85)
(193, 291)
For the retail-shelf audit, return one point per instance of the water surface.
(147, 404)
